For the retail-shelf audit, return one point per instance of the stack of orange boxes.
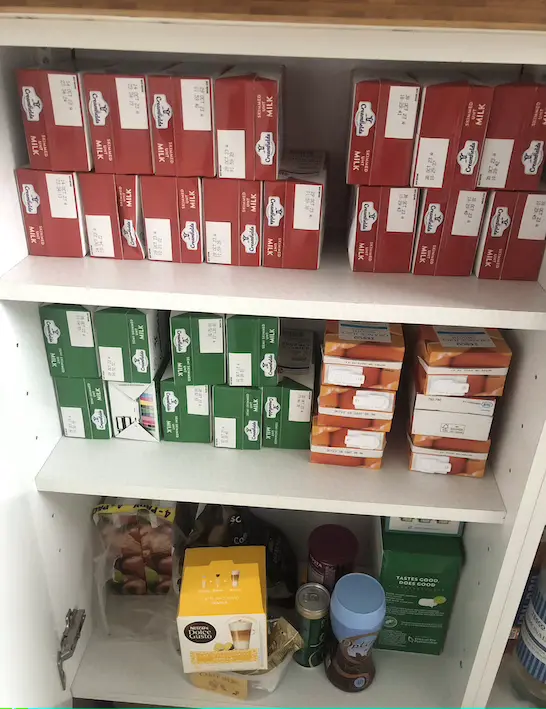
(459, 373)
(362, 363)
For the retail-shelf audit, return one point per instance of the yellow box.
(222, 614)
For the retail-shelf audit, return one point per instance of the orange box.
(356, 408)
(448, 456)
(457, 361)
(336, 445)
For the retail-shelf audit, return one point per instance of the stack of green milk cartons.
(225, 385)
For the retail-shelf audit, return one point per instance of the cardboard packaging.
(198, 348)
(253, 350)
(185, 411)
(415, 525)
(237, 417)
(355, 408)
(419, 575)
(172, 218)
(53, 117)
(118, 122)
(335, 445)
(70, 342)
(383, 118)
(448, 456)
(83, 408)
(297, 356)
(456, 361)
(52, 214)
(363, 355)
(293, 225)
(232, 215)
(448, 229)
(287, 416)
(132, 344)
(452, 416)
(247, 118)
(181, 121)
(382, 229)
(513, 237)
(112, 214)
(135, 411)
(222, 614)
(514, 148)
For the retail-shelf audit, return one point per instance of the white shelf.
(331, 292)
(150, 673)
(265, 478)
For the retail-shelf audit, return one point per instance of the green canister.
(312, 603)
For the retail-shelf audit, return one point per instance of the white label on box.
(344, 375)
(533, 221)
(401, 213)
(73, 425)
(218, 240)
(374, 400)
(80, 328)
(231, 153)
(198, 400)
(402, 112)
(196, 111)
(448, 386)
(211, 336)
(468, 213)
(365, 332)
(99, 235)
(158, 239)
(356, 413)
(225, 432)
(65, 100)
(299, 405)
(464, 337)
(307, 206)
(497, 153)
(111, 363)
(240, 369)
(431, 463)
(133, 113)
(431, 162)
(62, 198)
(348, 452)
(363, 439)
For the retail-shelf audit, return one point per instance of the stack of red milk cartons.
(362, 363)
(459, 372)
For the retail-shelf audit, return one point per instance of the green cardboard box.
(418, 525)
(253, 349)
(83, 408)
(420, 574)
(287, 416)
(237, 414)
(69, 339)
(185, 411)
(198, 348)
(132, 343)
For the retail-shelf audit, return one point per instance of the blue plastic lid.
(358, 602)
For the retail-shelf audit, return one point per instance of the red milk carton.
(247, 123)
(233, 220)
(525, 248)
(294, 212)
(190, 202)
(130, 217)
(477, 110)
(430, 225)
(53, 118)
(119, 127)
(383, 229)
(497, 222)
(51, 213)
(382, 130)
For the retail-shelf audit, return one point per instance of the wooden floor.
(479, 14)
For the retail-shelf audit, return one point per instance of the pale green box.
(83, 408)
(237, 417)
(69, 340)
(253, 350)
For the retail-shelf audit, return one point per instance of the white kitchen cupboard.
(48, 484)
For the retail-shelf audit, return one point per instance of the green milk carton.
(132, 343)
(287, 416)
(253, 349)
(83, 408)
(69, 339)
(237, 414)
(185, 411)
(420, 574)
(198, 348)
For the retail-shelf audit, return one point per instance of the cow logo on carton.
(99, 419)
(268, 365)
(32, 103)
(128, 232)
(500, 221)
(170, 402)
(433, 218)
(250, 238)
(367, 216)
(181, 340)
(265, 148)
(274, 211)
(271, 407)
(140, 360)
(52, 332)
(30, 199)
(162, 111)
(468, 157)
(190, 236)
(99, 110)
(532, 158)
(364, 119)
(252, 430)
